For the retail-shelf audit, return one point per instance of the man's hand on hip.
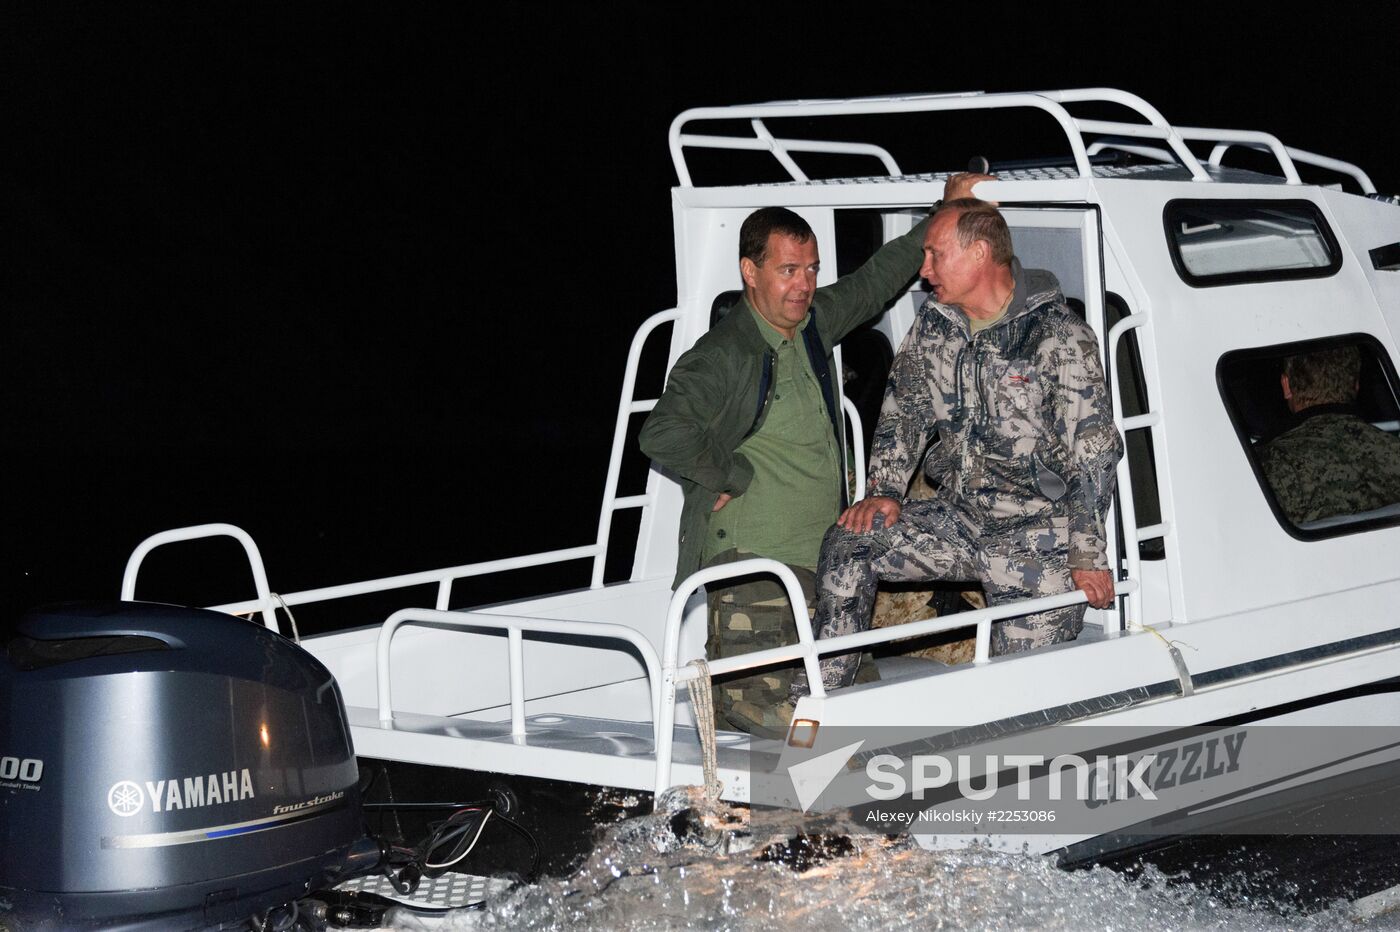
(724, 499)
(860, 517)
(1097, 585)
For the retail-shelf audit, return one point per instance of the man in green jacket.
(751, 424)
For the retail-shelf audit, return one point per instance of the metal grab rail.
(445, 576)
(857, 445)
(1301, 155)
(919, 104)
(1225, 139)
(1143, 109)
(765, 141)
(1132, 534)
(1050, 101)
(626, 407)
(808, 649)
(515, 627)
(255, 562)
(1251, 138)
(671, 644)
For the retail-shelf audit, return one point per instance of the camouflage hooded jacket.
(1024, 429)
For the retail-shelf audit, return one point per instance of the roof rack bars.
(1119, 134)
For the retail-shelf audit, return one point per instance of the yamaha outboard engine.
(168, 767)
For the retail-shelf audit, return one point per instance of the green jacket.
(712, 399)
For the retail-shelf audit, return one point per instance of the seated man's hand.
(724, 499)
(860, 517)
(1097, 585)
(960, 185)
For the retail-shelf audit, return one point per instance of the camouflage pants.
(753, 615)
(932, 542)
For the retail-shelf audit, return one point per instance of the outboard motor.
(168, 767)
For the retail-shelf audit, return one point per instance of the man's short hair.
(1324, 377)
(763, 223)
(980, 220)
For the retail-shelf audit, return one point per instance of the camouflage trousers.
(930, 541)
(753, 614)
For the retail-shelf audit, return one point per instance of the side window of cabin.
(1227, 242)
(1319, 421)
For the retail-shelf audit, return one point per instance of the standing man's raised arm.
(859, 296)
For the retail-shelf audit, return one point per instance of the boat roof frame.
(1115, 135)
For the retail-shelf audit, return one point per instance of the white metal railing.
(626, 407)
(665, 673)
(765, 141)
(1132, 534)
(515, 627)
(1228, 139)
(857, 445)
(808, 649)
(1301, 155)
(671, 642)
(263, 602)
(1156, 121)
(444, 577)
(1051, 102)
(869, 105)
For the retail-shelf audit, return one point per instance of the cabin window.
(1320, 423)
(1224, 242)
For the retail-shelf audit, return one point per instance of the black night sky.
(360, 277)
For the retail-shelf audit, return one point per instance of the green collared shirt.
(795, 494)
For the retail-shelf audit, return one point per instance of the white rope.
(296, 635)
(702, 703)
(1183, 674)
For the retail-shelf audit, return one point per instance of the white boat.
(1195, 276)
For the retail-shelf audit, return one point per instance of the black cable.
(534, 873)
(457, 834)
(449, 830)
(406, 880)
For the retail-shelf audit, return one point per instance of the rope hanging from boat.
(1183, 674)
(702, 705)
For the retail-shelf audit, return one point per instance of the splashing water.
(646, 875)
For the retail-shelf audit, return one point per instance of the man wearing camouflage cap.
(1008, 380)
(1331, 462)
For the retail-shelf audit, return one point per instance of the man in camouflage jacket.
(1006, 382)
